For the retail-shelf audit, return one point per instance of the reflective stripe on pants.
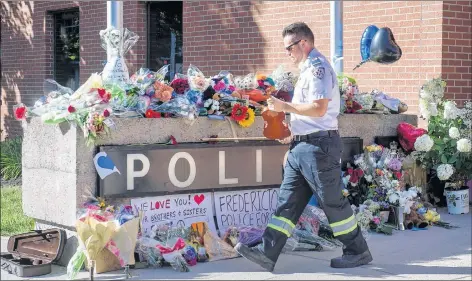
(282, 224)
(344, 226)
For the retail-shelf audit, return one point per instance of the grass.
(13, 221)
(10, 158)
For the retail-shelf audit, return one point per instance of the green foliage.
(10, 159)
(12, 219)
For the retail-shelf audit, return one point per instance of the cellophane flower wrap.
(312, 232)
(53, 106)
(178, 106)
(223, 83)
(247, 235)
(196, 79)
(117, 42)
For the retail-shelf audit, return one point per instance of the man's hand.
(275, 104)
(286, 140)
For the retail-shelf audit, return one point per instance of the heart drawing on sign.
(199, 198)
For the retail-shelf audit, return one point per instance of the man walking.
(313, 164)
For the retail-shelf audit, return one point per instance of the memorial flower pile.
(146, 94)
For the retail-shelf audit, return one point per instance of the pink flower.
(376, 220)
(219, 86)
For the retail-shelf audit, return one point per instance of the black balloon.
(383, 48)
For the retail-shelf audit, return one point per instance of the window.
(165, 36)
(66, 48)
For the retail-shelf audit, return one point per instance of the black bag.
(31, 254)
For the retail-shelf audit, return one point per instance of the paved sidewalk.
(436, 254)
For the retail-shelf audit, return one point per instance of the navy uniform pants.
(313, 167)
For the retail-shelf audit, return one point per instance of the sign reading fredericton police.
(149, 169)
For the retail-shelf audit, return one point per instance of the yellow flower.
(95, 81)
(250, 117)
(101, 202)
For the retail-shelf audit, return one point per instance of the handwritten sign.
(116, 70)
(175, 210)
(245, 207)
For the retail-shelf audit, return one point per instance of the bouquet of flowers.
(446, 148)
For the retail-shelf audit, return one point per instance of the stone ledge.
(58, 169)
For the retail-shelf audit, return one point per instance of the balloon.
(366, 39)
(383, 48)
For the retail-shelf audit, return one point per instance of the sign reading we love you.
(175, 210)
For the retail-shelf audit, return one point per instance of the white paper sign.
(175, 210)
(116, 70)
(245, 207)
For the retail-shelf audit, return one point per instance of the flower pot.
(384, 216)
(457, 199)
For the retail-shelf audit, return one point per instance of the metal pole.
(336, 11)
(114, 16)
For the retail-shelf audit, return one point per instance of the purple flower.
(395, 164)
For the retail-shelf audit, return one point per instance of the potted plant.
(446, 148)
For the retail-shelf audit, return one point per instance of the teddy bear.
(414, 219)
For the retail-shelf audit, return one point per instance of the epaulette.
(315, 61)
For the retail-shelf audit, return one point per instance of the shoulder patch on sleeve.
(318, 72)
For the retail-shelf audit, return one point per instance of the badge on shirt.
(318, 72)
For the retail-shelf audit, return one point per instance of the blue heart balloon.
(366, 40)
(105, 163)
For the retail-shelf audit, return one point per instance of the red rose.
(106, 113)
(71, 109)
(20, 112)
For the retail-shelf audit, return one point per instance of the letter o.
(171, 169)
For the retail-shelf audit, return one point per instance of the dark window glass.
(67, 48)
(165, 36)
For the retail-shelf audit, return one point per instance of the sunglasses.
(289, 47)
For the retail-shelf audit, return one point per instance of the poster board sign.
(175, 210)
(245, 207)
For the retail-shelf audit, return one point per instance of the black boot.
(350, 261)
(256, 256)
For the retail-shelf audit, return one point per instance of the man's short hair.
(300, 30)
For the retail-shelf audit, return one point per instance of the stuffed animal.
(414, 219)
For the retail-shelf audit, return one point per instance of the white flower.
(424, 108)
(208, 102)
(368, 178)
(424, 143)
(445, 171)
(346, 180)
(393, 198)
(454, 133)
(433, 109)
(450, 110)
(426, 95)
(464, 145)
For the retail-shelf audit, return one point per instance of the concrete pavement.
(435, 254)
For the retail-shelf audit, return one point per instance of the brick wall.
(244, 37)
(27, 42)
(457, 50)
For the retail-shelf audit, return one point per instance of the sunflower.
(249, 119)
(239, 112)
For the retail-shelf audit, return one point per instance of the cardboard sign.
(175, 210)
(245, 207)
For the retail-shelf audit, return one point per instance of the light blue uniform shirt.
(317, 81)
